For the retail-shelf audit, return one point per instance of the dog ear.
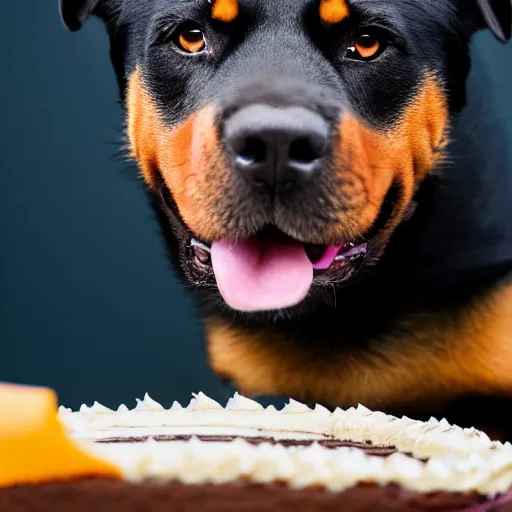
(75, 13)
(497, 16)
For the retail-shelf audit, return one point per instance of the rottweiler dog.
(343, 220)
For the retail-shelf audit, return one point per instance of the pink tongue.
(256, 275)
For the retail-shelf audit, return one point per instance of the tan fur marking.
(189, 157)
(225, 10)
(334, 11)
(143, 125)
(403, 155)
(440, 360)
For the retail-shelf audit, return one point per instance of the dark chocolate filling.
(327, 443)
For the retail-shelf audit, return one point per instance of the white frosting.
(148, 404)
(201, 402)
(100, 409)
(295, 407)
(240, 403)
(243, 415)
(196, 462)
(359, 424)
(460, 460)
(176, 406)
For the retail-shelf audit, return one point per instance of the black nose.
(276, 147)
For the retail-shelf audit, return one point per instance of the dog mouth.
(270, 270)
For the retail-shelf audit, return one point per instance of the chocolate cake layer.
(101, 495)
(332, 444)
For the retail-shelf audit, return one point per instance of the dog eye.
(190, 38)
(366, 47)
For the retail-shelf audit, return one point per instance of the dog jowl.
(286, 140)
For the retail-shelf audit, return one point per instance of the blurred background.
(88, 302)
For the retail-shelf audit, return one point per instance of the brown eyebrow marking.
(334, 11)
(224, 10)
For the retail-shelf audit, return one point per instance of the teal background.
(88, 302)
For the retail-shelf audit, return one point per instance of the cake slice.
(241, 457)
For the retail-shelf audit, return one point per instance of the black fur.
(457, 244)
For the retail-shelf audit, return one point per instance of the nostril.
(276, 148)
(250, 151)
(304, 151)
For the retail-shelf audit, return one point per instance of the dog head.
(286, 140)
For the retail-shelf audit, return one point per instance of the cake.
(241, 457)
